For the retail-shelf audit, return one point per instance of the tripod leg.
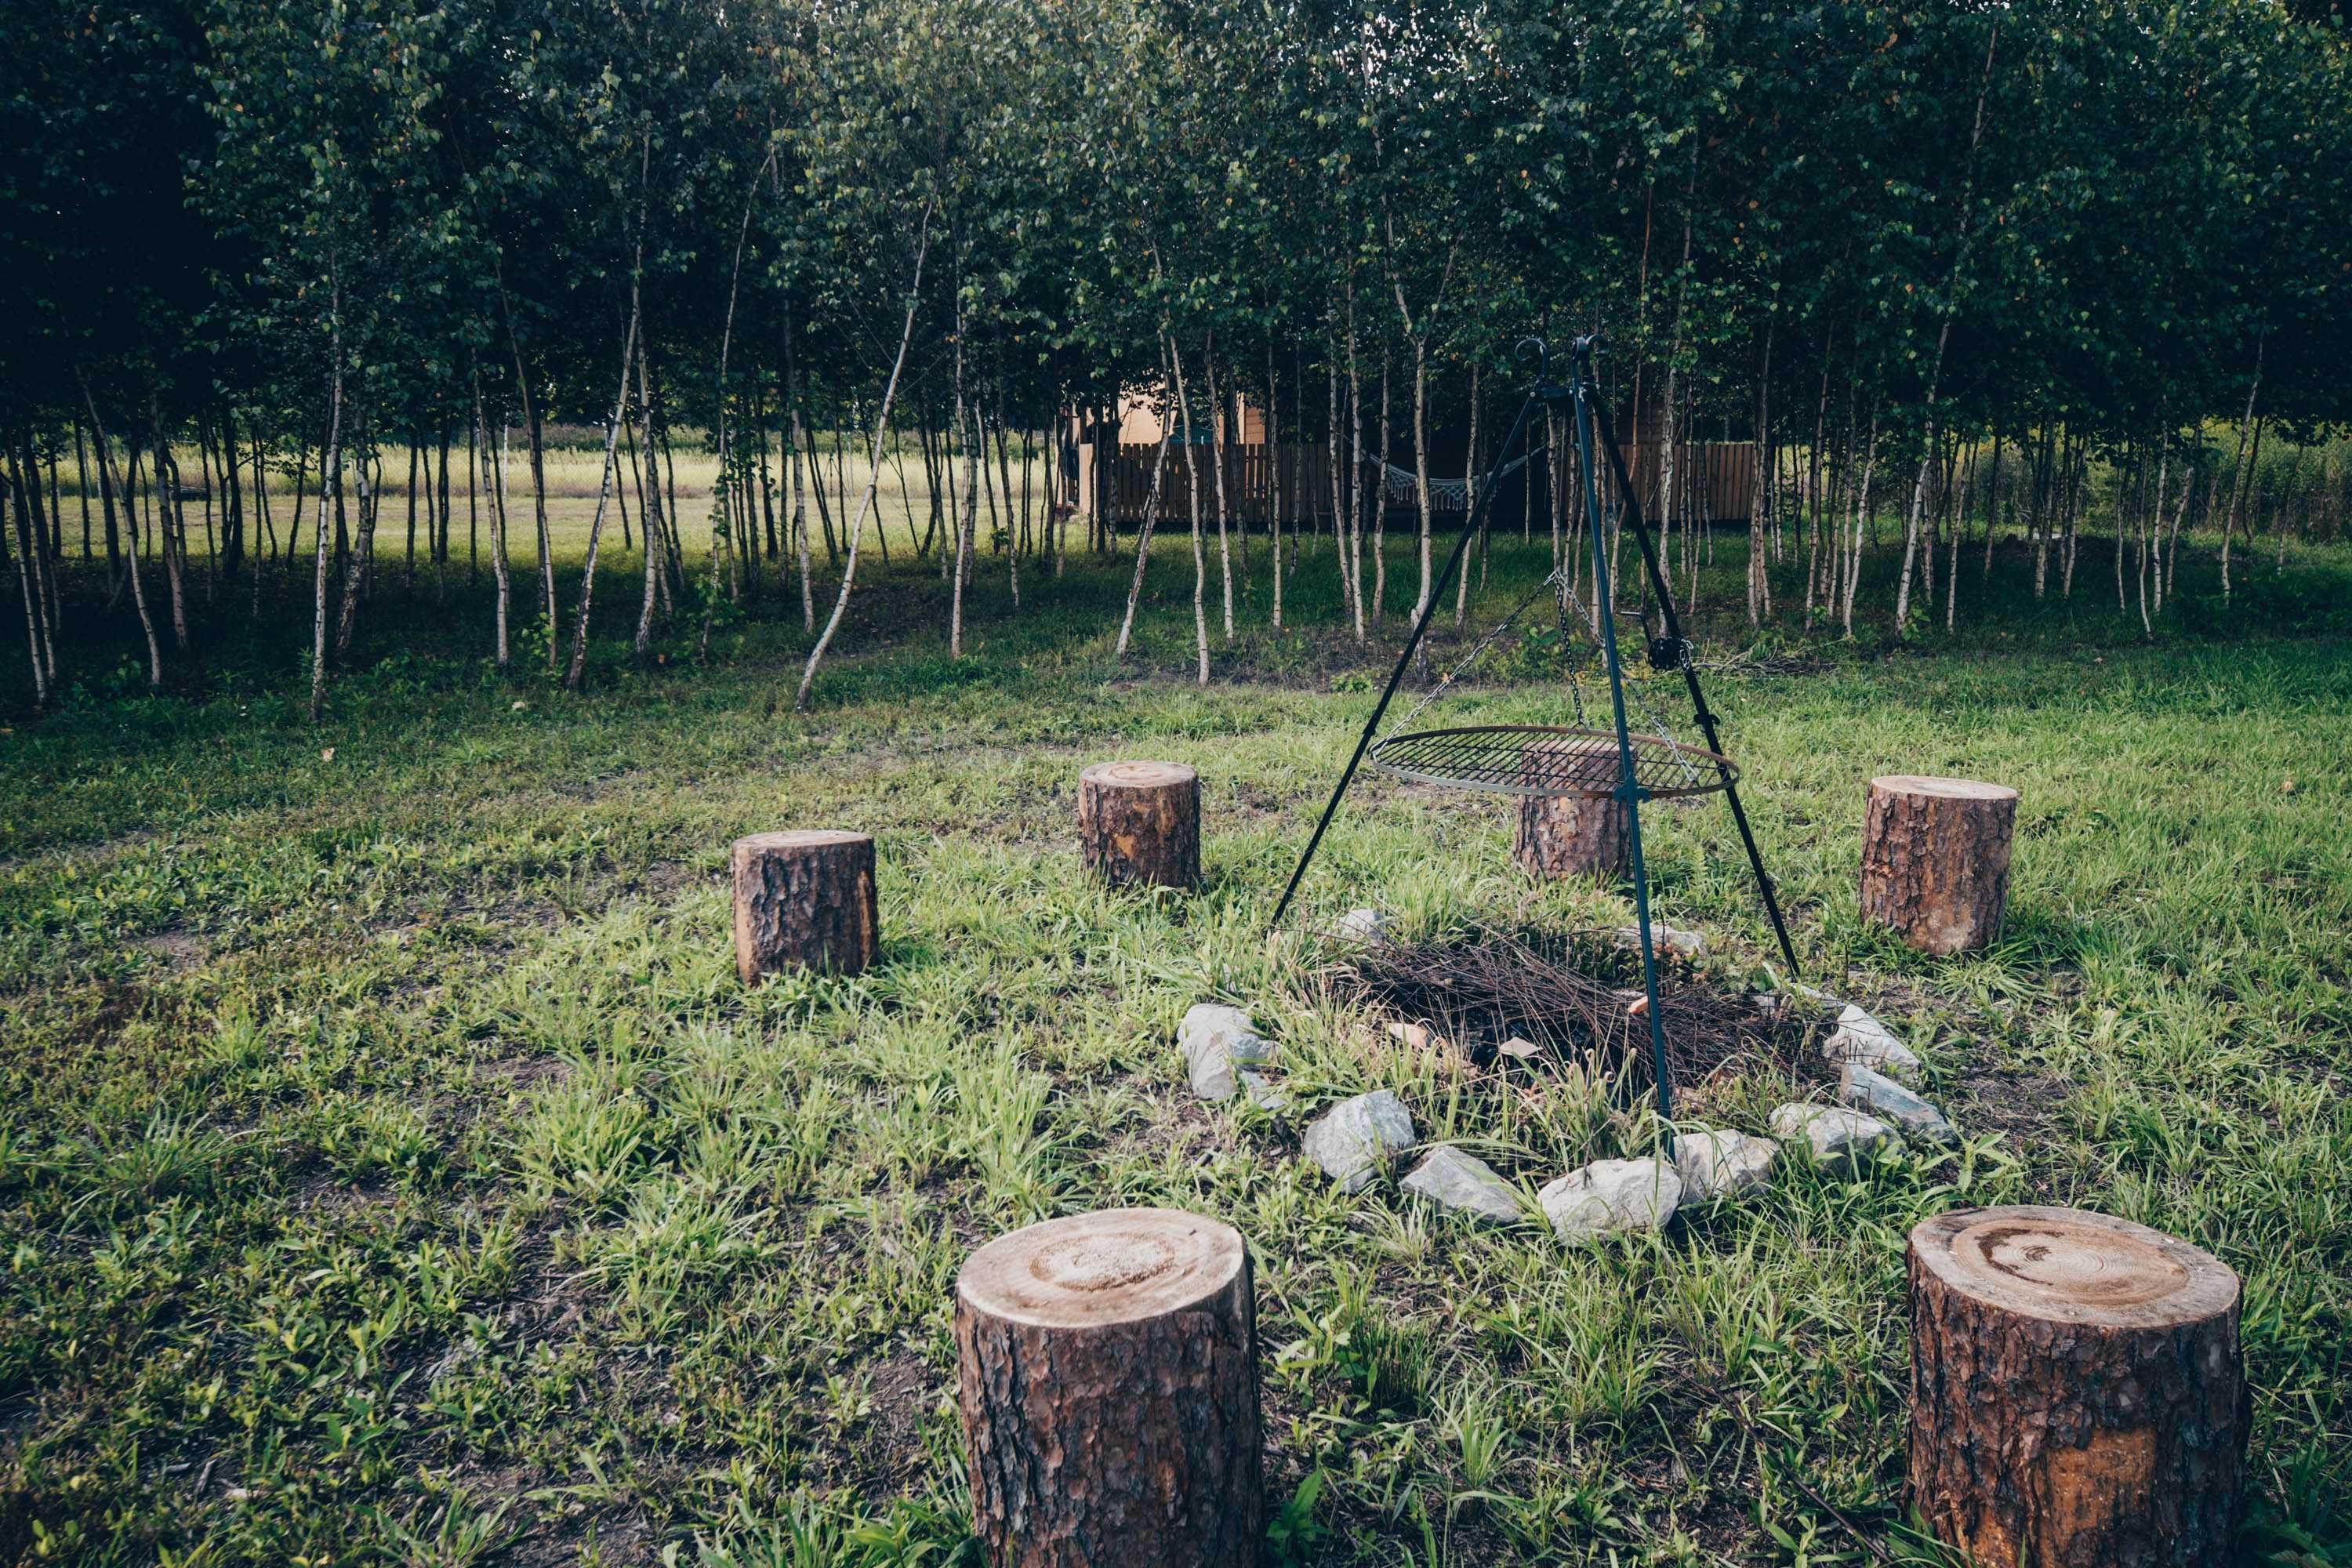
(1700, 710)
(1629, 788)
(1396, 676)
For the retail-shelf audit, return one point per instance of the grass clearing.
(393, 1170)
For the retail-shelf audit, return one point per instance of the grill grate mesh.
(1549, 761)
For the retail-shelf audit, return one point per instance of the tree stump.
(1141, 823)
(1935, 861)
(2077, 1399)
(1108, 1387)
(1560, 836)
(805, 900)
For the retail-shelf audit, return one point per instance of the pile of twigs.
(1578, 998)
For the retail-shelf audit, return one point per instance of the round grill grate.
(1549, 761)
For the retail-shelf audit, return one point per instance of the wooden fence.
(1715, 478)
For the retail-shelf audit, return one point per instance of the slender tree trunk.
(967, 514)
(330, 473)
(577, 671)
(881, 424)
(1150, 516)
(1470, 509)
(1217, 458)
(1274, 493)
(659, 540)
(29, 557)
(170, 529)
(480, 454)
(1861, 516)
(2240, 474)
(109, 490)
(1193, 478)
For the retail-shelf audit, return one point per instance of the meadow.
(392, 1168)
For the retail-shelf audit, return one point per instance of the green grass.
(394, 1171)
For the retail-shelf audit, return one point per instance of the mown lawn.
(392, 1168)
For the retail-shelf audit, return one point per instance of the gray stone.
(1717, 1163)
(1359, 1138)
(1664, 939)
(1890, 1101)
(1264, 1093)
(1362, 925)
(1612, 1195)
(1840, 1139)
(1215, 1041)
(1859, 1037)
(1452, 1179)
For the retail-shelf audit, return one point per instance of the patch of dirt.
(177, 947)
(888, 1443)
(1576, 997)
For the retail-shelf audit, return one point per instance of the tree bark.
(1141, 823)
(1558, 838)
(1935, 861)
(2077, 1393)
(1108, 1388)
(804, 900)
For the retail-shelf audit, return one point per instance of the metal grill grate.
(1549, 761)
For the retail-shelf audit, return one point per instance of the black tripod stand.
(1570, 763)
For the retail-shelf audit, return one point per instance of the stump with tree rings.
(1564, 835)
(2077, 1395)
(1107, 1383)
(805, 900)
(1935, 859)
(1139, 822)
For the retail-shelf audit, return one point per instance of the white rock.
(1890, 1101)
(1859, 1037)
(1838, 1138)
(1664, 939)
(1215, 1041)
(1612, 1195)
(1362, 925)
(1452, 1179)
(1359, 1138)
(1717, 1163)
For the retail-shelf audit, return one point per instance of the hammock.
(1444, 495)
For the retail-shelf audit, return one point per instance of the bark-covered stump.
(1935, 861)
(1139, 822)
(1562, 837)
(1108, 1385)
(2077, 1399)
(805, 900)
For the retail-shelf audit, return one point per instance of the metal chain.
(1564, 598)
(1463, 664)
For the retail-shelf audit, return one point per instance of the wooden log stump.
(2077, 1399)
(805, 900)
(1139, 822)
(1935, 861)
(1562, 837)
(1108, 1385)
